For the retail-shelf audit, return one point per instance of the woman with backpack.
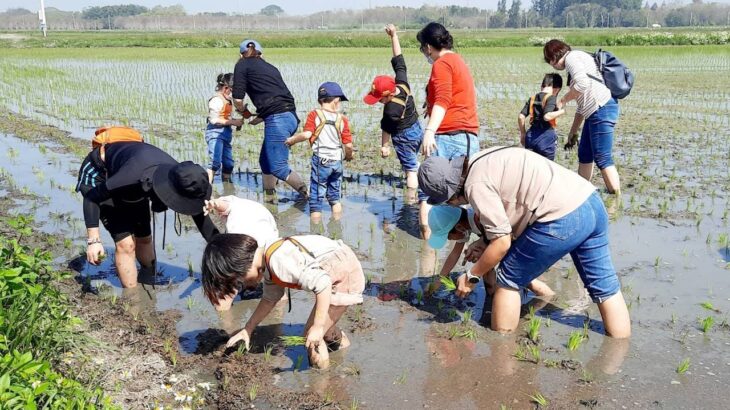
(533, 212)
(275, 106)
(596, 106)
(451, 103)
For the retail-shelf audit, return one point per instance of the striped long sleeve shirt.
(593, 93)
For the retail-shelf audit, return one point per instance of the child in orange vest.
(542, 111)
(328, 132)
(219, 131)
(316, 263)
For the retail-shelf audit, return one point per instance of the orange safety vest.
(338, 123)
(267, 258)
(110, 135)
(553, 123)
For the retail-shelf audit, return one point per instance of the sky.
(296, 7)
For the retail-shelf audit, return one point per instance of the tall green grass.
(36, 329)
(366, 39)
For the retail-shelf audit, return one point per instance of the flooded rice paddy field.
(410, 349)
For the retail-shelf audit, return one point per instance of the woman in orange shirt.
(451, 104)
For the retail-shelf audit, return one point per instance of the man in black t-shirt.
(118, 184)
(542, 111)
(400, 118)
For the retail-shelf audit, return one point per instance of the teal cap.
(441, 220)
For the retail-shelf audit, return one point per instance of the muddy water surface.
(408, 350)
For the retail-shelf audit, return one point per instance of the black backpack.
(616, 76)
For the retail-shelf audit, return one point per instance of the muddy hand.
(463, 287)
(240, 336)
(385, 152)
(314, 336)
(571, 142)
(429, 144)
(94, 253)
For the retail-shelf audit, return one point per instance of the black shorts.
(123, 219)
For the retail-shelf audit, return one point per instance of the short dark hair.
(435, 35)
(552, 80)
(226, 259)
(463, 218)
(554, 50)
(224, 80)
(327, 100)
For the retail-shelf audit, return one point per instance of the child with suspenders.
(328, 133)
(328, 268)
(542, 111)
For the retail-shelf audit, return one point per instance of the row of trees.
(516, 14)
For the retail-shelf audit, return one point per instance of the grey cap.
(439, 178)
(256, 46)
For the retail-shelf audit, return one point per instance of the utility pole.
(42, 17)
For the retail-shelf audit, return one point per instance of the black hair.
(552, 80)
(226, 259)
(251, 51)
(435, 35)
(224, 80)
(463, 218)
(327, 100)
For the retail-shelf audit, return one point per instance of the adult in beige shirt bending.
(533, 212)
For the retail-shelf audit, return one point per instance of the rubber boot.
(295, 181)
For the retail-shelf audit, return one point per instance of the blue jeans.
(407, 144)
(274, 157)
(596, 139)
(326, 177)
(220, 150)
(452, 146)
(542, 141)
(583, 233)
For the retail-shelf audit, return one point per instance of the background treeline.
(515, 14)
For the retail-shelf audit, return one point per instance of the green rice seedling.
(707, 323)
(551, 363)
(253, 391)
(190, 268)
(548, 322)
(354, 404)
(298, 365)
(575, 339)
(453, 332)
(67, 243)
(722, 239)
(657, 261)
(520, 354)
(190, 302)
(267, 352)
(469, 333)
(419, 297)
(533, 328)
(708, 240)
(466, 317)
(674, 318)
(709, 306)
(535, 353)
(449, 284)
(329, 397)
(241, 349)
(503, 407)
(586, 377)
(539, 399)
(401, 379)
(291, 341)
(683, 366)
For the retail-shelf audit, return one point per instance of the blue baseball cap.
(330, 89)
(256, 46)
(441, 220)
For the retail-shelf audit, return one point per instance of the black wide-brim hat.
(183, 187)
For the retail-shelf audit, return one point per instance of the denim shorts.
(596, 139)
(220, 150)
(451, 146)
(274, 157)
(407, 144)
(326, 178)
(542, 141)
(582, 233)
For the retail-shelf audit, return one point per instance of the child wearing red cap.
(400, 118)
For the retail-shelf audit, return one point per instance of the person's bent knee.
(280, 171)
(125, 246)
(604, 161)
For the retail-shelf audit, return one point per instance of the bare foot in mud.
(319, 357)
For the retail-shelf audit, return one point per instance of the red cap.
(383, 86)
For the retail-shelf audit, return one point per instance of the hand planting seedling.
(448, 283)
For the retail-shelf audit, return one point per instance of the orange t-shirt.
(452, 87)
